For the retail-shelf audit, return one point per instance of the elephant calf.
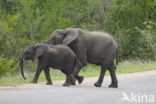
(55, 56)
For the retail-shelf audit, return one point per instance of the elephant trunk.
(21, 66)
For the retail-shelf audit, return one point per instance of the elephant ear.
(70, 37)
(39, 51)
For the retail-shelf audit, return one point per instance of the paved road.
(137, 88)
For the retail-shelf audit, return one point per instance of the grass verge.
(88, 71)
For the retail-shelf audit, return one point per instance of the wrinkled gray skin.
(93, 47)
(55, 56)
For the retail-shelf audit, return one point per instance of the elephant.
(94, 47)
(55, 56)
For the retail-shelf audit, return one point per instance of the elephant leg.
(47, 74)
(38, 71)
(76, 76)
(100, 80)
(79, 78)
(81, 53)
(114, 83)
(72, 80)
(68, 80)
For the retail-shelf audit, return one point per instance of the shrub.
(7, 65)
(149, 37)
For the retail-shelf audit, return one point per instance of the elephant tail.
(117, 59)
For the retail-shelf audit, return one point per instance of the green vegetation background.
(25, 22)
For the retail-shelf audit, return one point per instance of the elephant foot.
(80, 80)
(66, 84)
(33, 81)
(113, 85)
(97, 84)
(49, 83)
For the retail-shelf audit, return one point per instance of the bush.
(148, 38)
(7, 65)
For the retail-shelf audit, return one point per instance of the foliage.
(7, 65)
(149, 36)
(122, 19)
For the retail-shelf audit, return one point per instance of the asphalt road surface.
(136, 88)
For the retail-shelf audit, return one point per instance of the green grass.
(88, 71)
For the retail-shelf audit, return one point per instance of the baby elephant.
(55, 56)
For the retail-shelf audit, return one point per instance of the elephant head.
(31, 53)
(64, 37)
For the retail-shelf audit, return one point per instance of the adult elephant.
(93, 47)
